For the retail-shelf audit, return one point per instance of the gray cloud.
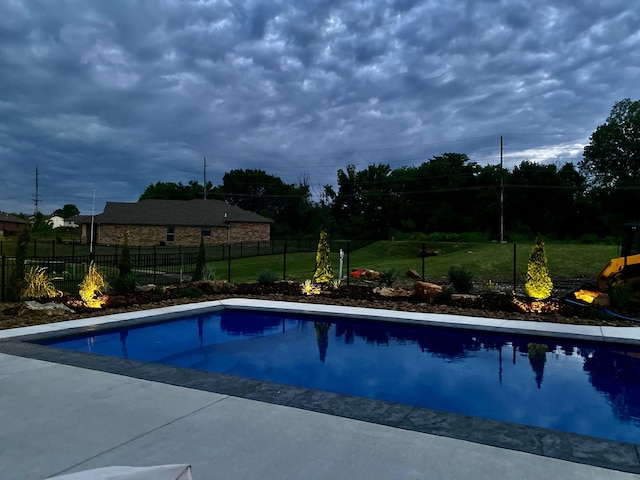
(112, 96)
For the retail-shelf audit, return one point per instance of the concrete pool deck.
(60, 414)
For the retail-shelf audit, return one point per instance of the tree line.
(452, 193)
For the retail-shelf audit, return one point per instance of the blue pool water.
(585, 388)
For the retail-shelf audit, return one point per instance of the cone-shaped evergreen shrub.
(201, 261)
(16, 279)
(538, 284)
(324, 271)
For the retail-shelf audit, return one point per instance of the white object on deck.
(158, 472)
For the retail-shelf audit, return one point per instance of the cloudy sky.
(105, 97)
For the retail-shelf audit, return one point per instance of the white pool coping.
(545, 329)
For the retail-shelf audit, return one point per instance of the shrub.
(38, 285)
(200, 262)
(388, 277)
(267, 276)
(16, 279)
(125, 283)
(461, 279)
(309, 288)
(208, 272)
(588, 238)
(189, 292)
(621, 295)
(538, 284)
(323, 272)
(93, 288)
(445, 296)
(124, 264)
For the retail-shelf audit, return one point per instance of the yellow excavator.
(626, 267)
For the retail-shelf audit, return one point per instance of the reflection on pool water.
(561, 384)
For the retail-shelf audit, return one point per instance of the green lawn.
(485, 260)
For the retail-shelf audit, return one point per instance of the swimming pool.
(569, 385)
(551, 443)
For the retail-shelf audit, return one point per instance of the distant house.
(11, 225)
(174, 222)
(55, 221)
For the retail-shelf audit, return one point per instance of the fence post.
(4, 264)
(284, 261)
(348, 260)
(241, 248)
(73, 251)
(258, 249)
(53, 245)
(34, 247)
(155, 264)
(514, 268)
(229, 265)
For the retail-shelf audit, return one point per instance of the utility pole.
(205, 178)
(37, 197)
(501, 196)
(93, 214)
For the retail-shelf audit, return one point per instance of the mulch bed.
(487, 305)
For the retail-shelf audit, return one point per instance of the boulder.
(411, 273)
(391, 292)
(211, 287)
(427, 292)
(371, 275)
(464, 299)
(50, 308)
(149, 287)
(602, 300)
(464, 296)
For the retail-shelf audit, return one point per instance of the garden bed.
(494, 305)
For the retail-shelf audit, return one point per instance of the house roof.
(7, 217)
(176, 212)
(79, 219)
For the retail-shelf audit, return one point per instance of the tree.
(126, 279)
(541, 199)
(175, 191)
(323, 272)
(16, 279)
(257, 191)
(486, 208)
(538, 284)
(363, 204)
(611, 164)
(201, 262)
(613, 153)
(40, 227)
(69, 210)
(438, 195)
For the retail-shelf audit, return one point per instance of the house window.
(171, 233)
(205, 231)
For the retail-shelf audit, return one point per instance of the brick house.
(175, 222)
(11, 225)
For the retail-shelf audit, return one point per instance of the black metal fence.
(67, 264)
